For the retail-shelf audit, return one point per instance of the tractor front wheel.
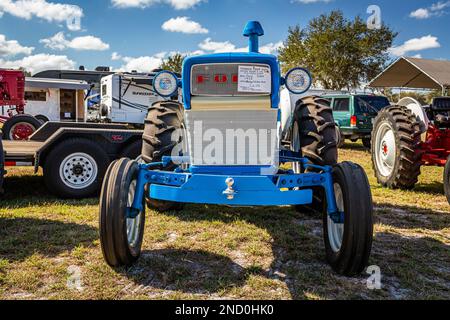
(20, 127)
(120, 236)
(348, 244)
(395, 141)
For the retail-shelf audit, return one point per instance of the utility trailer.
(74, 156)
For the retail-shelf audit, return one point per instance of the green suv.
(354, 115)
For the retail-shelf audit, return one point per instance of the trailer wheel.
(20, 127)
(348, 245)
(314, 135)
(160, 138)
(395, 140)
(120, 237)
(75, 168)
(447, 180)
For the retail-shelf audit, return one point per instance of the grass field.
(209, 252)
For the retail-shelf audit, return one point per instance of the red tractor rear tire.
(395, 141)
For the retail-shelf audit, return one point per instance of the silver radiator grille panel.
(231, 138)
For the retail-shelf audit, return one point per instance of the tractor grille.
(224, 79)
(233, 137)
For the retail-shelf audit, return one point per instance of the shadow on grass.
(21, 238)
(410, 217)
(29, 190)
(350, 146)
(434, 188)
(196, 272)
(292, 243)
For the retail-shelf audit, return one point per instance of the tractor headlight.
(165, 84)
(298, 80)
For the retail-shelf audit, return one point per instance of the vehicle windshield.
(371, 105)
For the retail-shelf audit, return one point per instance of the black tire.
(340, 140)
(116, 249)
(20, 118)
(164, 121)
(447, 180)
(406, 129)
(318, 142)
(132, 151)
(42, 119)
(367, 143)
(317, 129)
(352, 257)
(54, 177)
(2, 165)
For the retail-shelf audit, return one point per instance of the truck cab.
(354, 115)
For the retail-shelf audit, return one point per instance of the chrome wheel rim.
(385, 149)
(336, 230)
(133, 225)
(78, 170)
(295, 147)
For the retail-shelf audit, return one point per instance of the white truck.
(125, 98)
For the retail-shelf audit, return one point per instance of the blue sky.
(34, 33)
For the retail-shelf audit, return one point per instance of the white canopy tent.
(415, 73)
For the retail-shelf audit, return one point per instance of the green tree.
(340, 53)
(173, 63)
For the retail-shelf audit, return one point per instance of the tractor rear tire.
(120, 237)
(395, 141)
(317, 137)
(160, 139)
(348, 244)
(447, 180)
(30, 123)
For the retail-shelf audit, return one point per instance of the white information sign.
(255, 79)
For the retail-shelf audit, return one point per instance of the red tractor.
(16, 124)
(408, 136)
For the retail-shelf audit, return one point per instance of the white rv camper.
(126, 98)
(56, 99)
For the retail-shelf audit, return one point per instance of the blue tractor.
(222, 146)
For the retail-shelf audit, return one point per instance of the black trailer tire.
(447, 180)
(314, 135)
(12, 123)
(367, 143)
(75, 168)
(348, 246)
(395, 141)
(119, 247)
(162, 134)
(132, 151)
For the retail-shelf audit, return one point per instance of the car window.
(341, 104)
(370, 104)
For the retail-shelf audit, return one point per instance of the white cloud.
(86, 43)
(115, 56)
(183, 25)
(436, 9)
(10, 48)
(176, 4)
(139, 64)
(420, 13)
(220, 47)
(416, 44)
(40, 62)
(49, 11)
